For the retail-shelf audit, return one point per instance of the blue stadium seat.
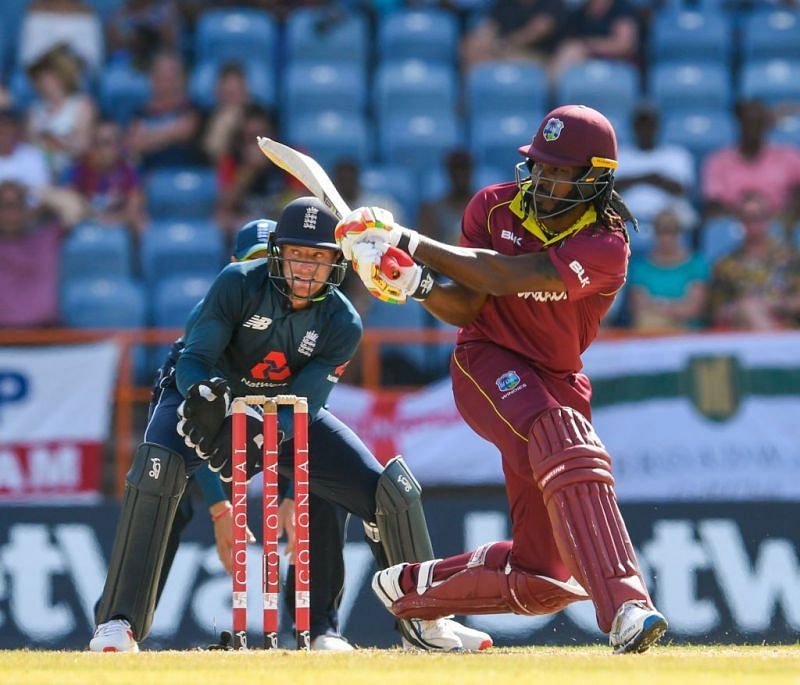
(122, 92)
(488, 175)
(175, 297)
(690, 87)
(681, 35)
(641, 240)
(775, 81)
(103, 303)
(13, 16)
(384, 315)
(609, 87)
(96, 250)
(786, 130)
(260, 82)
(184, 193)
(495, 139)
(21, 89)
(396, 181)
(719, 237)
(181, 249)
(330, 136)
(414, 87)
(105, 8)
(507, 88)
(418, 142)
(700, 132)
(308, 87)
(239, 35)
(427, 34)
(320, 35)
(770, 34)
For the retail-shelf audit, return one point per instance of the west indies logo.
(508, 381)
(552, 129)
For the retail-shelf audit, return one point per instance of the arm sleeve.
(475, 225)
(210, 485)
(317, 378)
(211, 328)
(592, 263)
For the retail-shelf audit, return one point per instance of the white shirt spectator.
(82, 32)
(27, 166)
(646, 200)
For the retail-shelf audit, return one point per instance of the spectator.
(753, 165)
(599, 29)
(60, 120)
(668, 287)
(73, 23)
(20, 161)
(516, 29)
(440, 219)
(163, 133)
(757, 287)
(29, 254)
(250, 185)
(109, 183)
(346, 179)
(139, 29)
(232, 98)
(652, 176)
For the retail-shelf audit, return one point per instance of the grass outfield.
(528, 666)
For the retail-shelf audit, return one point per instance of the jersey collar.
(532, 224)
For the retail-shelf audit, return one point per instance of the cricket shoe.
(435, 635)
(113, 636)
(331, 643)
(635, 628)
(471, 640)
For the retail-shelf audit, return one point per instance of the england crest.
(552, 129)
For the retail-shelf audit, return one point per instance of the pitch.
(571, 665)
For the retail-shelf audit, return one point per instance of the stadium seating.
(181, 249)
(310, 87)
(418, 142)
(93, 250)
(239, 35)
(105, 8)
(183, 193)
(507, 88)
(414, 87)
(495, 139)
(330, 136)
(260, 82)
(681, 35)
(103, 303)
(690, 87)
(175, 296)
(122, 92)
(787, 130)
(610, 87)
(700, 132)
(775, 81)
(325, 35)
(396, 181)
(719, 237)
(426, 34)
(770, 34)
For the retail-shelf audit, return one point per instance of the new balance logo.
(258, 323)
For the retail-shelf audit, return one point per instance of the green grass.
(505, 666)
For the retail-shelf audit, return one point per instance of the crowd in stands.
(128, 127)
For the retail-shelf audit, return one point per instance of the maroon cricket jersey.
(550, 329)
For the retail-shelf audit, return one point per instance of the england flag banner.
(711, 417)
(55, 409)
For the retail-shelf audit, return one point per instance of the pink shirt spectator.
(29, 278)
(774, 173)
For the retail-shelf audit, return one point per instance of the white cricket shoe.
(331, 643)
(441, 634)
(113, 636)
(635, 628)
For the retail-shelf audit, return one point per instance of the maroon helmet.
(570, 136)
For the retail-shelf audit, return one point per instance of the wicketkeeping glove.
(220, 460)
(202, 414)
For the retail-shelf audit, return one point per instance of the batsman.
(539, 264)
(278, 325)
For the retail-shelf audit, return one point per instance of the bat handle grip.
(392, 261)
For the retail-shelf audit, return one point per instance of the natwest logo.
(274, 367)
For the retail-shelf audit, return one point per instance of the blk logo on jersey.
(274, 367)
(577, 267)
(509, 235)
(258, 323)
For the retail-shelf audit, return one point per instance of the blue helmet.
(253, 237)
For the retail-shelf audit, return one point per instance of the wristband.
(425, 286)
(408, 241)
(227, 509)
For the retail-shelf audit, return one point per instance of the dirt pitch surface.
(501, 666)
